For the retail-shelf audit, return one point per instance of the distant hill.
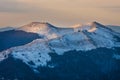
(6, 29)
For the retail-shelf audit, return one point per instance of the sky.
(62, 13)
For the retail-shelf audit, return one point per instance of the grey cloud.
(111, 8)
(14, 6)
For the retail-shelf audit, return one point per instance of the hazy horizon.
(59, 12)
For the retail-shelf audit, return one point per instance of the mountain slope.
(115, 28)
(14, 38)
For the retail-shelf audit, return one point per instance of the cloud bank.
(59, 12)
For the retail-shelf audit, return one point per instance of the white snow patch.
(116, 56)
(4, 54)
(92, 29)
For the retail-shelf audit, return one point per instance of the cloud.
(63, 5)
(17, 6)
(10, 6)
(65, 12)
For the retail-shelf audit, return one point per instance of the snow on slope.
(85, 37)
(36, 52)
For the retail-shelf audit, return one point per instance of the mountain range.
(81, 52)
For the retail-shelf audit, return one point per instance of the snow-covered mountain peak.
(43, 28)
(93, 26)
(34, 24)
(47, 30)
(90, 27)
(37, 25)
